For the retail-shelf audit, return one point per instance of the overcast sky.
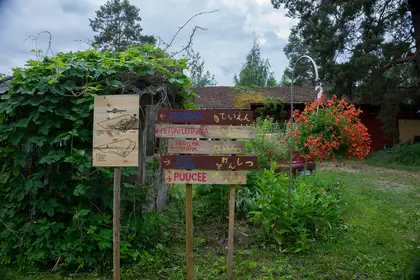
(224, 45)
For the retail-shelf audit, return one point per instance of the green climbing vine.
(56, 209)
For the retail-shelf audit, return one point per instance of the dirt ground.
(382, 177)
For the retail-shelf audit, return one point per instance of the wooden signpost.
(115, 144)
(193, 161)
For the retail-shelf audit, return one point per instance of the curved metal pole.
(317, 87)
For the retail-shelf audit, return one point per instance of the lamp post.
(317, 87)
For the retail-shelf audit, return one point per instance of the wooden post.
(116, 222)
(189, 235)
(231, 231)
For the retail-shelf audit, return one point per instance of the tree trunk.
(414, 7)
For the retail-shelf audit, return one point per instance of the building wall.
(408, 128)
(376, 134)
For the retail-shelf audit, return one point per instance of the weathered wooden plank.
(208, 162)
(205, 147)
(150, 122)
(204, 177)
(119, 112)
(115, 135)
(204, 131)
(219, 116)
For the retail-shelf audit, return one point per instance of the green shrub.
(408, 155)
(56, 208)
(272, 150)
(315, 209)
(213, 200)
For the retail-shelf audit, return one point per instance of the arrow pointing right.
(167, 162)
(168, 179)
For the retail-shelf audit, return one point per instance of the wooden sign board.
(222, 117)
(115, 130)
(205, 177)
(205, 147)
(204, 131)
(208, 162)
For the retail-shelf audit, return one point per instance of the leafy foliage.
(407, 155)
(316, 208)
(269, 149)
(55, 205)
(256, 71)
(199, 77)
(365, 50)
(117, 22)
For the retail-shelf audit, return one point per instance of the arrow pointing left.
(162, 116)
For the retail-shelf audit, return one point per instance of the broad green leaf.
(23, 122)
(38, 140)
(115, 83)
(52, 156)
(16, 137)
(79, 190)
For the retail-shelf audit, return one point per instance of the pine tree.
(118, 25)
(256, 71)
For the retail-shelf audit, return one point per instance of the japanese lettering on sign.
(206, 161)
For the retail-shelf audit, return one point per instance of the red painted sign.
(222, 117)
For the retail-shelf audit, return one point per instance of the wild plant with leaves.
(56, 207)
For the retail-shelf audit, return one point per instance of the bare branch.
(190, 41)
(182, 27)
(399, 61)
(88, 42)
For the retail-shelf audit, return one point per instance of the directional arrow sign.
(205, 147)
(209, 162)
(234, 117)
(167, 162)
(205, 177)
(204, 131)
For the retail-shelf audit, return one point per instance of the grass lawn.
(380, 239)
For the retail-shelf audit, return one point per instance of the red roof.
(226, 97)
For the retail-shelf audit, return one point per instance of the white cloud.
(229, 36)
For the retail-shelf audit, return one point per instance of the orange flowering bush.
(334, 132)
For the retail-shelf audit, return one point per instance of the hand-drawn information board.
(115, 130)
